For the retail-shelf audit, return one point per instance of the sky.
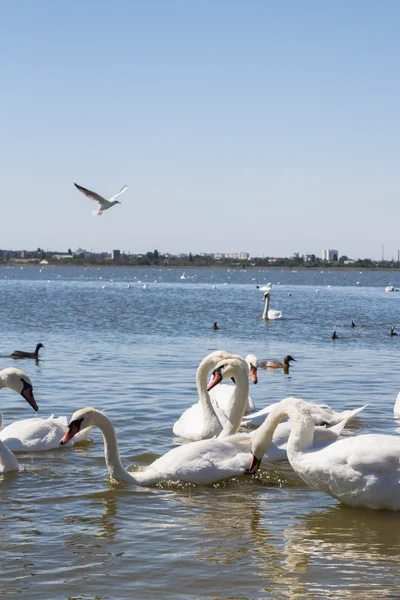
(264, 127)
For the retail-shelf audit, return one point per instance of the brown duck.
(275, 364)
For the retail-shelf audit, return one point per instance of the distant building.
(330, 255)
(234, 255)
(115, 254)
(309, 258)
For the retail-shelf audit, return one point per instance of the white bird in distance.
(103, 203)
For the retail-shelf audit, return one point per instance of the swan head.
(17, 380)
(266, 295)
(85, 417)
(226, 369)
(252, 363)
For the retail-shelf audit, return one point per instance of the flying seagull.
(103, 203)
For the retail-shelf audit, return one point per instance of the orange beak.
(253, 373)
(254, 465)
(215, 380)
(72, 431)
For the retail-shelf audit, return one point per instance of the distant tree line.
(155, 258)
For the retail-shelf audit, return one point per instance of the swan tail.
(396, 408)
(350, 414)
(255, 419)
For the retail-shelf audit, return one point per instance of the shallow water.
(67, 531)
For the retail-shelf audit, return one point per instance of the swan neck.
(301, 432)
(266, 306)
(237, 406)
(204, 396)
(111, 450)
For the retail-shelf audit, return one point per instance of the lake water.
(67, 531)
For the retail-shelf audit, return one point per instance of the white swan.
(396, 408)
(35, 435)
(264, 288)
(18, 380)
(203, 462)
(206, 419)
(221, 395)
(269, 314)
(8, 462)
(362, 470)
(322, 414)
(277, 449)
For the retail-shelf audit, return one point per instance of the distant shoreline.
(88, 263)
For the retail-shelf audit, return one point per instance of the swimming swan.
(206, 418)
(221, 395)
(269, 314)
(35, 435)
(322, 414)
(18, 380)
(202, 462)
(361, 470)
(8, 462)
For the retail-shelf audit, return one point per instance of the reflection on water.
(67, 531)
(349, 546)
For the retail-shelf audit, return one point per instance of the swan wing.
(363, 470)
(190, 424)
(206, 461)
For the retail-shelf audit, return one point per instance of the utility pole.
(383, 257)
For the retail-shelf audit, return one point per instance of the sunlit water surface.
(67, 531)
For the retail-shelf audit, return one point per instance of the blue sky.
(266, 127)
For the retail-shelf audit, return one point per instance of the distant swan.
(35, 435)
(361, 470)
(270, 314)
(264, 288)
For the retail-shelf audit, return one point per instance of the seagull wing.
(121, 191)
(91, 195)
